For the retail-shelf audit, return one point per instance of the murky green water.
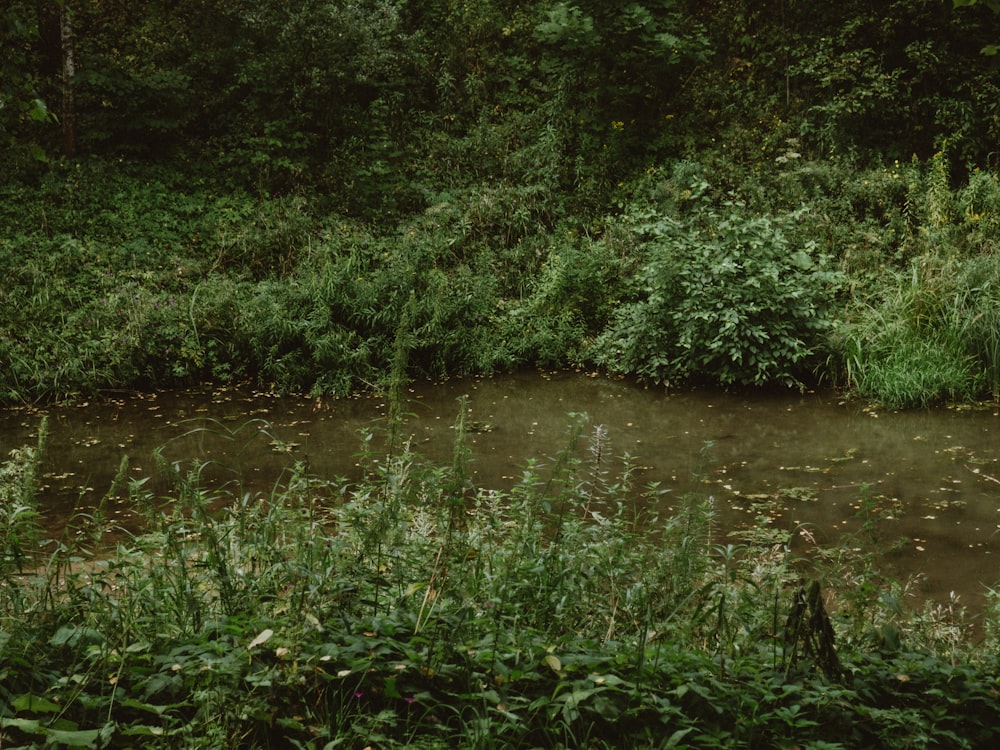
(804, 459)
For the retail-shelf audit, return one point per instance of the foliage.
(930, 335)
(369, 611)
(724, 297)
(926, 332)
(329, 196)
(23, 110)
(888, 80)
(263, 186)
(21, 527)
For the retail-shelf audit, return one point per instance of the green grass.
(124, 276)
(410, 609)
(929, 335)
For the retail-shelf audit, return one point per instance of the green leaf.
(141, 706)
(39, 112)
(390, 688)
(34, 704)
(802, 260)
(75, 636)
(607, 708)
(37, 153)
(28, 726)
(142, 730)
(677, 736)
(78, 738)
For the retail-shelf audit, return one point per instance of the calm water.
(804, 458)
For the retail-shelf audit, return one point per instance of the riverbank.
(407, 609)
(133, 276)
(925, 474)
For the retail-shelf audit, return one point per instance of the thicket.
(406, 607)
(734, 194)
(311, 194)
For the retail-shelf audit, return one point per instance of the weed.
(410, 608)
(929, 337)
(20, 527)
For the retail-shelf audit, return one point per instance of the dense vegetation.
(331, 195)
(407, 609)
(683, 192)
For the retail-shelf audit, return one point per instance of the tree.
(994, 5)
(23, 108)
(68, 47)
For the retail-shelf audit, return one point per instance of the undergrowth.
(879, 279)
(410, 608)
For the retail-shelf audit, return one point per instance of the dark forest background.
(724, 192)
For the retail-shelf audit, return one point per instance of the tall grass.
(412, 608)
(929, 335)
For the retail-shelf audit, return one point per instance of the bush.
(729, 298)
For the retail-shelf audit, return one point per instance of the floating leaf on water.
(848, 456)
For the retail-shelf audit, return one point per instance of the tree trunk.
(68, 71)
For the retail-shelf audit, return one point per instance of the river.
(803, 460)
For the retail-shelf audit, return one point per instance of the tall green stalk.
(398, 379)
(20, 529)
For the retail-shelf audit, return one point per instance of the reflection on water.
(810, 458)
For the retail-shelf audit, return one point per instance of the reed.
(922, 339)
(20, 527)
(332, 613)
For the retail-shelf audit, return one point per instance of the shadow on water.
(797, 459)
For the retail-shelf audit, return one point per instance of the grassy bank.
(883, 281)
(412, 609)
(744, 196)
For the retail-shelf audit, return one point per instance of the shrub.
(570, 301)
(728, 298)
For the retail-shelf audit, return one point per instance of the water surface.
(804, 460)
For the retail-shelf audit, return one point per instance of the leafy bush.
(570, 301)
(723, 297)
